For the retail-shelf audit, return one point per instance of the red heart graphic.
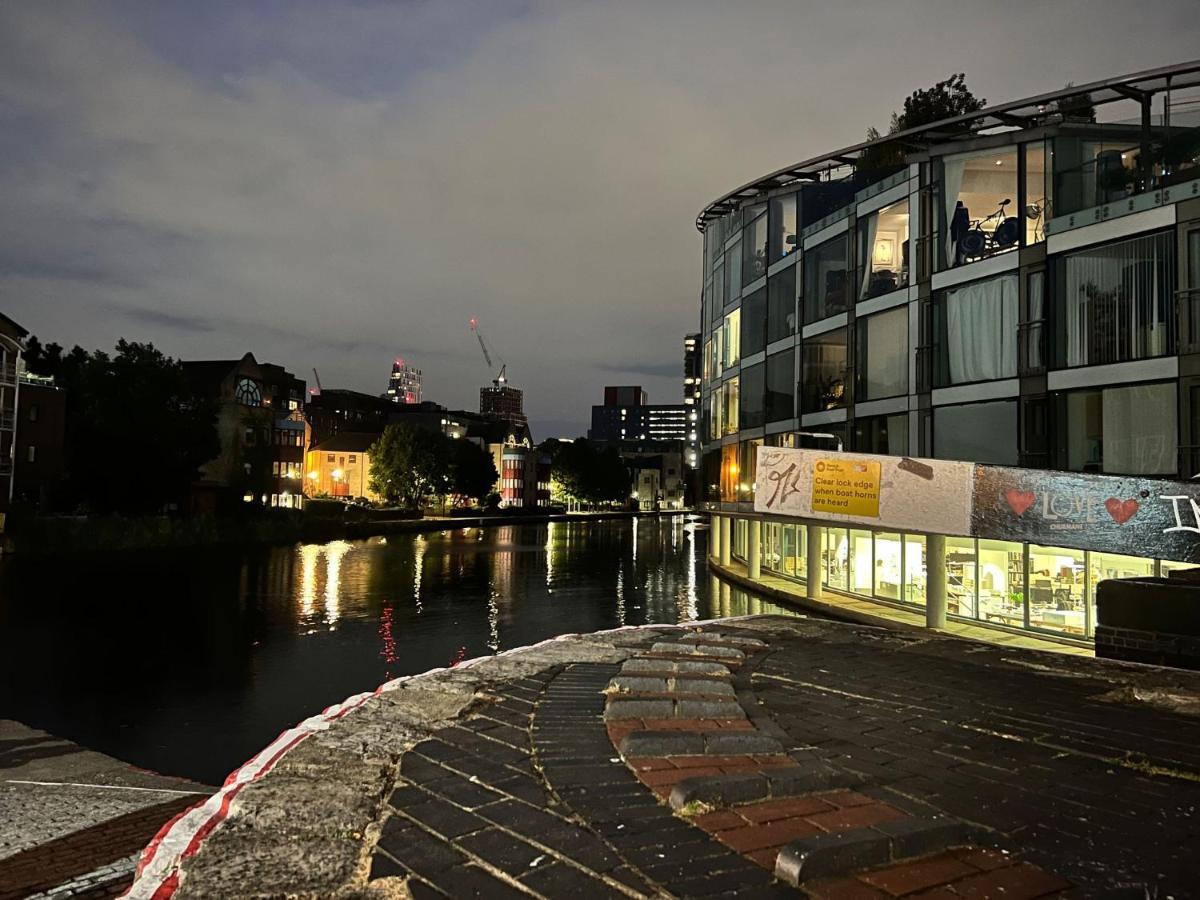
(1020, 500)
(1121, 510)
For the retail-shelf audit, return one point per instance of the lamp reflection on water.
(334, 551)
(309, 554)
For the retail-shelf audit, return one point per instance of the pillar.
(754, 549)
(815, 565)
(726, 605)
(714, 535)
(726, 539)
(935, 581)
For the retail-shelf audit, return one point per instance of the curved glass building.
(1018, 286)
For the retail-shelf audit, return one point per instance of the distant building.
(627, 416)
(404, 384)
(657, 473)
(40, 458)
(341, 466)
(692, 372)
(334, 411)
(503, 402)
(12, 346)
(260, 424)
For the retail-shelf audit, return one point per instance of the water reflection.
(190, 663)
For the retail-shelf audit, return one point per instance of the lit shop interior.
(1051, 589)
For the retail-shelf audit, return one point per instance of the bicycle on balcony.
(978, 240)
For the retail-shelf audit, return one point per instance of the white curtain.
(952, 180)
(1115, 302)
(869, 253)
(1139, 430)
(981, 330)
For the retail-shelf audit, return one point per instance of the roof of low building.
(348, 441)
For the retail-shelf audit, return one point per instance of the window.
(1128, 430)
(718, 294)
(961, 576)
(275, 468)
(1035, 193)
(825, 290)
(249, 437)
(1116, 302)
(754, 323)
(751, 396)
(977, 328)
(733, 272)
(729, 473)
(862, 561)
(329, 457)
(883, 355)
(884, 252)
(1057, 588)
(754, 243)
(887, 435)
(247, 393)
(1000, 577)
(889, 565)
(977, 432)
(717, 360)
(31, 453)
(33, 412)
(836, 556)
(780, 400)
(1090, 172)
(823, 385)
(980, 215)
(731, 352)
(781, 305)
(1031, 332)
(783, 234)
(729, 415)
(748, 468)
(353, 457)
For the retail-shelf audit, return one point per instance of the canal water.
(189, 663)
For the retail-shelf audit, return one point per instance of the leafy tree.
(42, 359)
(1077, 106)
(136, 432)
(472, 470)
(409, 465)
(945, 100)
(582, 472)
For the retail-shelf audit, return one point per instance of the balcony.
(8, 373)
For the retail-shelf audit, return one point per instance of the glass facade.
(826, 291)
(883, 251)
(781, 305)
(780, 399)
(824, 372)
(784, 227)
(977, 432)
(882, 350)
(754, 244)
(1128, 430)
(977, 332)
(751, 396)
(754, 323)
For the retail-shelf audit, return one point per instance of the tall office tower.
(404, 384)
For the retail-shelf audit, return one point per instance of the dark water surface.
(189, 663)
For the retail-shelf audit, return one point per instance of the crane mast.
(500, 377)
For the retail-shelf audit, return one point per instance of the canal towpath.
(757, 756)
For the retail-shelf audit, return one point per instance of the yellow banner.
(849, 487)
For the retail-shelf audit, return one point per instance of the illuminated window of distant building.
(248, 393)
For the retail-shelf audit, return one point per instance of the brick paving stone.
(842, 888)
(556, 879)
(856, 817)
(769, 834)
(1021, 881)
(472, 881)
(720, 820)
(769, 810)
(982, 858)
(500, 849)
(444, 818)
(922, 874)
(847, 799)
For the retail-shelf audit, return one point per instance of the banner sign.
(884, 491)
(1115, 514)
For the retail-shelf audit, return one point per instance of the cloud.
(332, 185)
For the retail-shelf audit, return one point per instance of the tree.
(581, 472)
(409, 465)
(945, 100)
(137, 434)
(473, 473)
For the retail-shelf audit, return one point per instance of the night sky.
(337, 184)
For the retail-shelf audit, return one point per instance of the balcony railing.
(1031, 348)
(6, 421)
(8, 373)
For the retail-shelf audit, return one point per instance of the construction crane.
(500, 378)
(318, 380)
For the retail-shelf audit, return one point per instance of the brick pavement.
(752, 757)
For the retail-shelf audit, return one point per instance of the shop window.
(1001, 582)
(784, 235)
(780, 402)
(976, 327)
(1167, 566)
(914, 569)
(977, 432)
(882, 369)
(887, 435)
(862, 562)
(729, 473)
(826, 291)
(962, 580)
(754, 323)
(1129, 430)
(889, 565)
(836, 557)
(1116, 302)
(980, 214)
(824, 377)
(781, 305)
(754, 243)
(884, 251)
(1103, 566)
(732, 336)
(1057, 590)
(752, 413)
